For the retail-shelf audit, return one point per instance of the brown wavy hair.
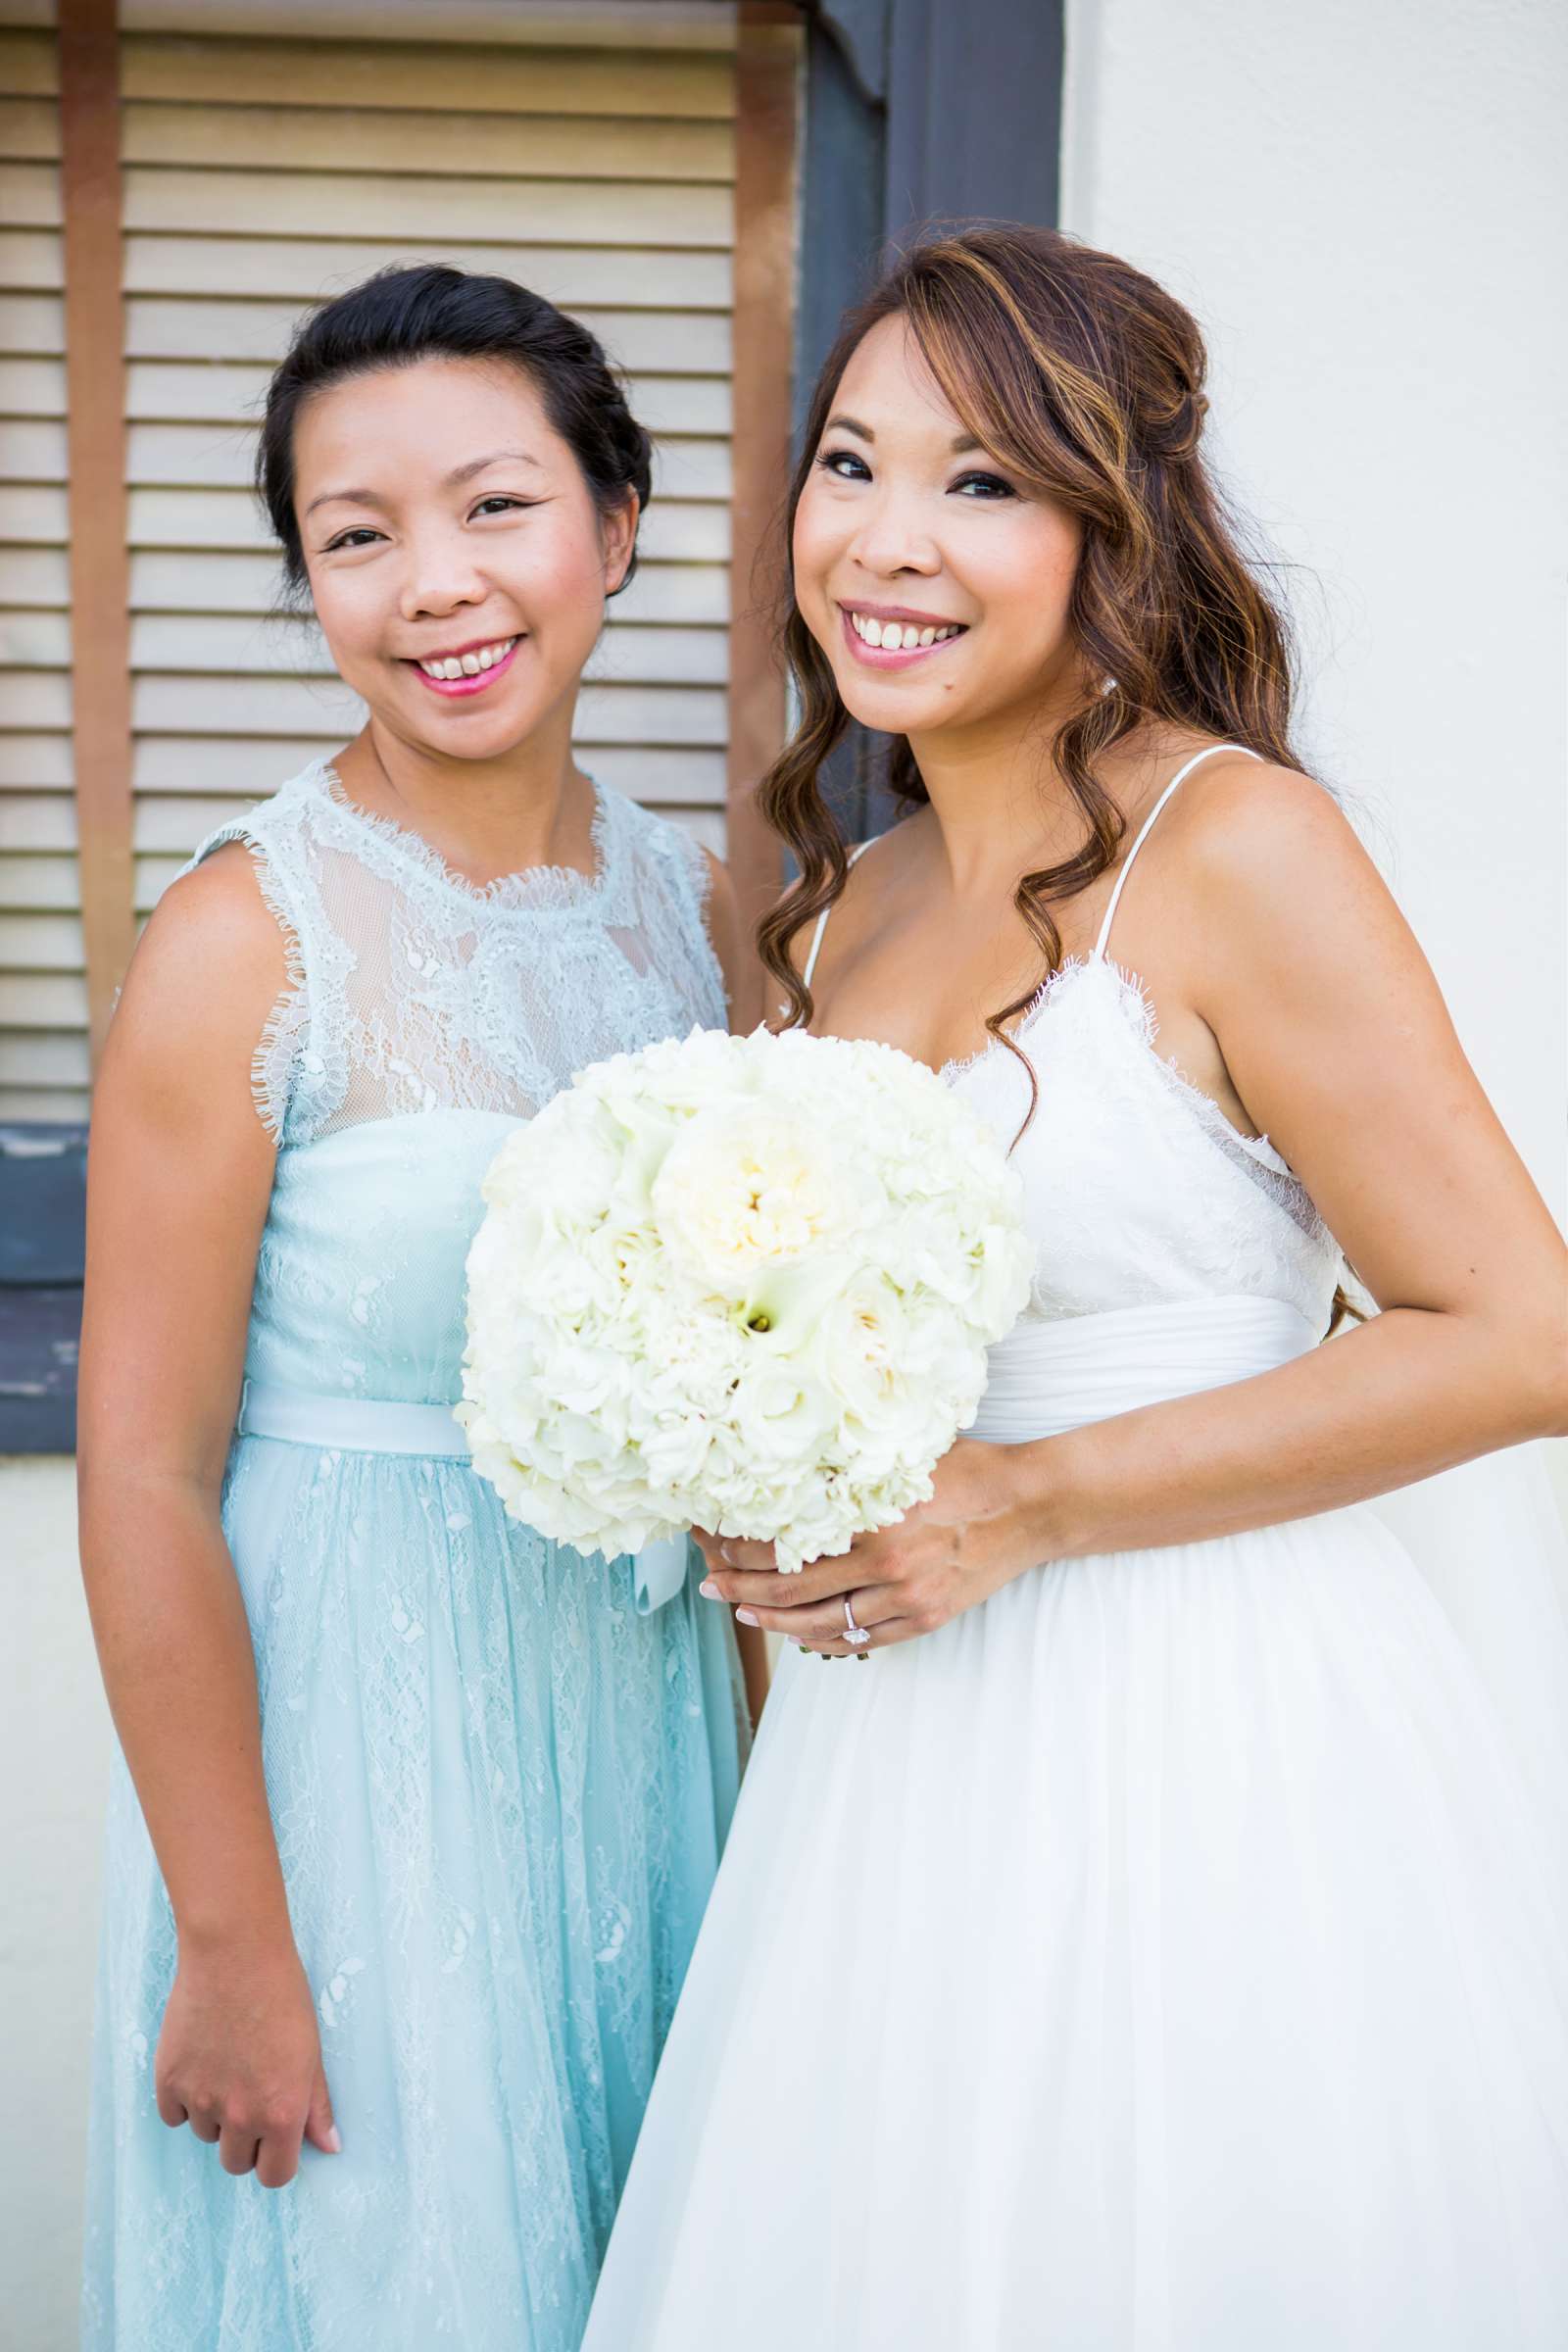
(1086, 380)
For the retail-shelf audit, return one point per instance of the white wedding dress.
(1167, 1955)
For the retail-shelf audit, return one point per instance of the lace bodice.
(421, 1017)
(1137, 1187)
(411, 989)
(1137, 1190)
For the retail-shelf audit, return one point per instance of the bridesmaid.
(417, 1813)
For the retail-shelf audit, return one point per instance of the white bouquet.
(745, 1283)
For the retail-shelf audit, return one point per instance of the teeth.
(895, 638)
(469, 665)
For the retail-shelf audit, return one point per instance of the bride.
(1160, 1947)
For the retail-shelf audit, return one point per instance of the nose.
(892, 538)
(440, 576)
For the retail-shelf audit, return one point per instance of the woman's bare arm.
(180, 1171)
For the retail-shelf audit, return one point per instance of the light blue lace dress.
(501, 1775)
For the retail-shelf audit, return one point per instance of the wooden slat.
(30, 195)
(192, 763)
(39, 884)
(417, 79)
(100, 571)
(37, 698)
(32, 449)
(560, 25)
(32, 387)
(28, 64)
(330, 138)
(32, 322)
(34, 640)
(31, 258)
(33, 513)
(29, 127)
(209, 327)
(177, 766)
(207, 391)
(305, 270)
(36, 940)
(43, 823)
(44, 1061)
(35, 762)
(40, 577)
(67, 1106)
(767, 71)
(415, 206)
(50, 1001)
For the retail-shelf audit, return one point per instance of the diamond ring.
(857, 1635)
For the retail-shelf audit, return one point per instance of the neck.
(527, 805)
(999, 804)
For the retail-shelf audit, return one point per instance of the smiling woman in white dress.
(1155, 1944)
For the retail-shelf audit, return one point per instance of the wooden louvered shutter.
(261, 175)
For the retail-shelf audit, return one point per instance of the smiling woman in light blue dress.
(418, 1813)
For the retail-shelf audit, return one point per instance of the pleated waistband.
(1053, 1376)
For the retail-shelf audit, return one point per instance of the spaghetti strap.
(1212, 752)
(858, 849)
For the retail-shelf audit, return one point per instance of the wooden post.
(95, 457)
(767, 70)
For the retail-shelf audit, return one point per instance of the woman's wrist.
(216, 1931)
(1047, 1499)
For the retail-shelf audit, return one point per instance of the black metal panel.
(974, 112)
(43, 1193)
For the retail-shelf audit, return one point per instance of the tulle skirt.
(500, 1794)
(1162, 1957)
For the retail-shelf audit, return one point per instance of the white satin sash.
(1048, 1377)
(385, 1425)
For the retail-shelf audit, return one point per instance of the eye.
(835, 460)
(984, 486)
(358, 535)
(500, 502)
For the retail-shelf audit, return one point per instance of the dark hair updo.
(431, 311)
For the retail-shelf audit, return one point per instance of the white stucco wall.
(1362, 201)
(54, 1757)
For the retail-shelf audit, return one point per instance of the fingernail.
(335, 2139)
(747, 1616)
(709, 1590)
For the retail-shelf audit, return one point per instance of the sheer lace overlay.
(499, 1790)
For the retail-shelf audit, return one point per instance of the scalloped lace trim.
(528, 890)
(1254, 1152)
(277, 1045)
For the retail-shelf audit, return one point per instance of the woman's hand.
(974, 1536)
(239, 2059)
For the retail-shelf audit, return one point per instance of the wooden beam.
(767, 73)
(95, 457)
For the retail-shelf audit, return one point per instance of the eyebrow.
(450, 481)
(963, 442)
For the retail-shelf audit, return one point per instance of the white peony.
(738, 1283)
